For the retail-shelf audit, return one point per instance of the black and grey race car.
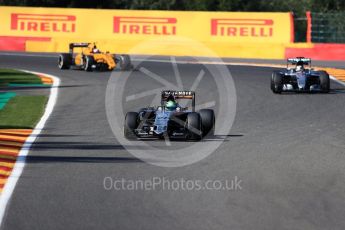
(300, 78)
(170, 122)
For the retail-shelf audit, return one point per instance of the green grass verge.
(10, 76)
(22, 112)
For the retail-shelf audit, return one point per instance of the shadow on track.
(221, 137)
(337, 91)
(63, 159)
(43, 145)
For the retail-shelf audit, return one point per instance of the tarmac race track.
(287, 153)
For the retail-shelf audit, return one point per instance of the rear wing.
(189, 95)
(303, 60)
(299, 60)
(77, 45)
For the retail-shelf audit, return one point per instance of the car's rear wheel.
(324, 82)
(89, 62)
(65, 61)
(277, 83)
(194, 126)
(208, 121)
(131, 123)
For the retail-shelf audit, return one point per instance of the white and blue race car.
(300, 78)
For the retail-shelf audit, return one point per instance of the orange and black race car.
(90, 58)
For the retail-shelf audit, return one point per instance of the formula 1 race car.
(90, 58)
(300, 78)
(170, 120)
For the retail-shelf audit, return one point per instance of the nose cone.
(161, 121)
(301, 80)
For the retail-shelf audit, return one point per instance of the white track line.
(337, 80)
(29, 55)
(21, 159)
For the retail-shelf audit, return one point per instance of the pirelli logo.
(145, 25)
(242, 27)
(43, 22)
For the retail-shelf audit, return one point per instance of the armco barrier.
(227, 34)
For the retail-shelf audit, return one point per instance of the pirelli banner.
(227, 34)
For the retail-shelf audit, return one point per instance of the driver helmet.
(171, 103)
(299, 66)
(94, 49)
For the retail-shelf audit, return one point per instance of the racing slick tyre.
(89, 61)
(125, 62)
(324, 82)
(208, 121)
(194, 126)
(277, 83)
(65, 61)
(131, 123)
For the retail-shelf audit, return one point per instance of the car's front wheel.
(208, 121)
(124, 62)
(131, 123)
(194, 127)
(277, 83)
(324, 82)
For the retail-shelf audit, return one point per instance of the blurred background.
(328, 21)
